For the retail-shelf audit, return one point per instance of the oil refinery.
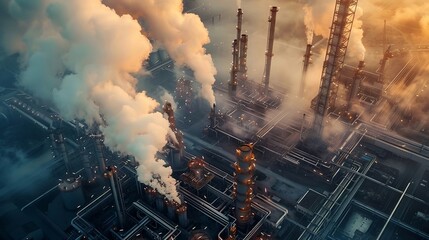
(204, 120)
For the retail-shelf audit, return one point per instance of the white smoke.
(356, 47)
(308, 22)
(183, 35)
(79, 54)
(238, 2)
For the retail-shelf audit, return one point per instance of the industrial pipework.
(270, 45)
(243, 184)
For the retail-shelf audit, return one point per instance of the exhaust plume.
(80, 55)
(183, 35)
(238, 3)
(357, 49)
(308, 21)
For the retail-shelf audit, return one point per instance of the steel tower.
(341, 27)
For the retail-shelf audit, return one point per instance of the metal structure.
(355, 85)
(234, 68)
(270, 45)
(387, 54)
(307, 62)
(212, 116)
(115, 185)
(341, 27)
(243, 186)
(239, 24)
(71, 192)
(242, 68)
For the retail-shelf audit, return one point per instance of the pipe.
(270, 45)
(356, 82)
(115, 185)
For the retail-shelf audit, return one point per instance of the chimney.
(307, 62)
(159, 202)
(213, 116)
(99, 153)
(234, 69)
(239, 22)
(182, 214)
(115, 185)
(270, 45)
(242, 69)
(355, 85)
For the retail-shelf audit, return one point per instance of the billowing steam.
(183, 35)
(308, 21)
(238, 3)
(80, 55)
(356, 47)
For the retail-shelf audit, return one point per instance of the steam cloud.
(357, 49)
(309, 24)
(183, 35)
(80, 55)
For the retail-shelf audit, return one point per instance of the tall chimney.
(355, 85)
(270, 45)
(242, 69)
(238, 27)
(182, 214)
(234, 69)
(99, 154)
(168, 109)
(243, 184)
(115, 185)
(213, 116)
(307, 62)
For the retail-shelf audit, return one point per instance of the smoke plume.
(356, 47)
(80, 55)
(238, 3)
(308, 21)
(183, 35)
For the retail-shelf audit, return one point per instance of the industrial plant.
(117, 123)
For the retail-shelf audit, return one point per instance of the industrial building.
(245, 168)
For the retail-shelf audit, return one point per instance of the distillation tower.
(243, 186)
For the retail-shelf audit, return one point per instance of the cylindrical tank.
(182, 214)
(71, 192)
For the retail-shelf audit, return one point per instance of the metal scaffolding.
(341, 27)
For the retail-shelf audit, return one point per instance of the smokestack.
(89, 173)
(239, 23)
(58, 143)
(182, 214)
(171, 209)
(71, 192)
(213, 116)
(176, 152)
(99, 154)
(243, 185)
(150, 195)
(307, 62)
(234, 69)
(115, 185)
(270, 45)
(355, 85)
(159, 202)
(243, 58)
